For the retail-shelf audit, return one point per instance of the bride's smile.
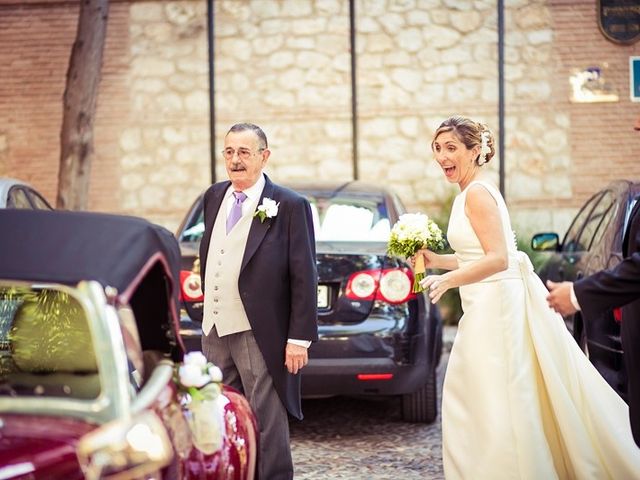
(456, 160)
(448, 171)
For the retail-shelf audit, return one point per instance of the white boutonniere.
(268, 209)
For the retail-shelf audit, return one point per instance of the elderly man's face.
(244, 158)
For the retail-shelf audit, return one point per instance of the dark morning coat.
(620, 287)
(278, 280)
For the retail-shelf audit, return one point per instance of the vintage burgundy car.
(88, 351)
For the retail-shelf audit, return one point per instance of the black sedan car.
(593, 242)
(376, 337)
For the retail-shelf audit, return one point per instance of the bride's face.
(455, 159)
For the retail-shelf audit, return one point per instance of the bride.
(520, 400)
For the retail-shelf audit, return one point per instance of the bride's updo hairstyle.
(471, 134)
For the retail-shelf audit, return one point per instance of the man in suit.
(608, 289)
(260, 286)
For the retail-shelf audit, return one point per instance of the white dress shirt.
(252, 193)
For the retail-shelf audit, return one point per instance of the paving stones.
(352, 438)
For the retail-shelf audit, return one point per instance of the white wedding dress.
(520, 399)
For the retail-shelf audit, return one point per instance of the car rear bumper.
(375, 357)
(361, 376)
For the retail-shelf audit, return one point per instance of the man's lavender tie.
(236, 210)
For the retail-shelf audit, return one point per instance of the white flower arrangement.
(268, 209)
(484, 147)
(412, 232)
(197, 378)
(199, 389)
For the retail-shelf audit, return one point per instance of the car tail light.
(392, 285)
(190, 286)
(617, 314)
(395, 285)
(363, 285)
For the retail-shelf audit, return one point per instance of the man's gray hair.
(241, 127)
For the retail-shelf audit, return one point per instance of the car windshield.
(349, 218)
(45, 345)
(342, 217)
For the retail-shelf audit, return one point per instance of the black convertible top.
(141, 260)
(66, 247)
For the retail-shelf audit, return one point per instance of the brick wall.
(35, 45)
(604, 145)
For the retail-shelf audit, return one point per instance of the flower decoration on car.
(268, 209)
(199, 387)
(198, 379)
(410, 233)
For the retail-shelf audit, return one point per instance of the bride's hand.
(427, 255)
(437, 286)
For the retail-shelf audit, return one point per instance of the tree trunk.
(81, 92)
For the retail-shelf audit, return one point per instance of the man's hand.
(559, 297)
(295, 357)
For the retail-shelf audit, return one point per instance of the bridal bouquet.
(412, 232)
(199, 387)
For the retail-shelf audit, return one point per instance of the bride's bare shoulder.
(480, 193)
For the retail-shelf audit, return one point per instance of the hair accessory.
(484, 147)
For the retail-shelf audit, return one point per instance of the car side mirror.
(545, 242)
(125, 449)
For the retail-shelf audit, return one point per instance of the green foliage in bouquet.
(412, 232)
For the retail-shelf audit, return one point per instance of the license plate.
(323, 296)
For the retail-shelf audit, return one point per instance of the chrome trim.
(152, 389)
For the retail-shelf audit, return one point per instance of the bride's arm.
(483, 213)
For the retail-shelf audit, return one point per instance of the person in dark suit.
(259, 279)
(608, 289)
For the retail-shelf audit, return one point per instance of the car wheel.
(421, 406)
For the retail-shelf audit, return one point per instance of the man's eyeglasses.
(243, 153)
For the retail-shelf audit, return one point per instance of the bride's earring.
(474, 155)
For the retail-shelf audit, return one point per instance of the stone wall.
(418, 62)
(164, 143)
(285, 65)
